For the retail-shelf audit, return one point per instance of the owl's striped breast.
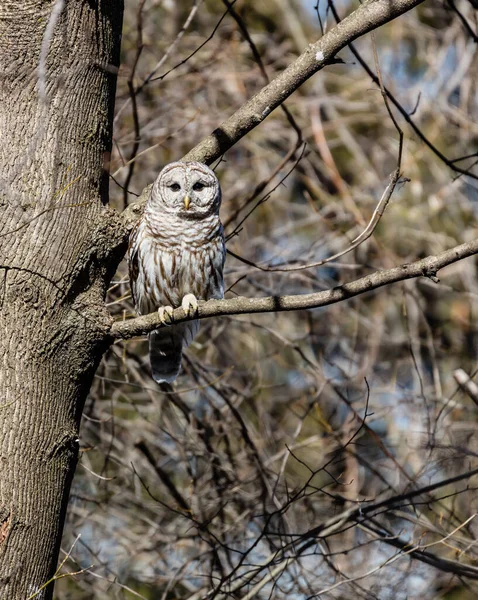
(167, 271)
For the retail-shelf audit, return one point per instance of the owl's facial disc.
(191, 190)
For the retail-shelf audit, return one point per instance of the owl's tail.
(166, 349)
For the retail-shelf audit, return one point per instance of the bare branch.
(406, 115)
(360, 239)
(425, 267)
(467, 384)
(370, 15)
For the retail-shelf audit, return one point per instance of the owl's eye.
(175, 187)
(198, 186)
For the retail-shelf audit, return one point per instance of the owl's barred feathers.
(176, 249)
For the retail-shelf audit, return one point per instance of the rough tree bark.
(58, 64)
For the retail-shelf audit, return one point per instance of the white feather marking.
(167, 261)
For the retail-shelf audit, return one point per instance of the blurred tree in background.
(310, 454)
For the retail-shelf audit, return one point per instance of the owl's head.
(189, 189)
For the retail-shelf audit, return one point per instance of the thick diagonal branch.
(370, 15)
(425, 267)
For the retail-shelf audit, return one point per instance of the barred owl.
(176, 256)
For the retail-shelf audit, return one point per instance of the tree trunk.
(59, 246)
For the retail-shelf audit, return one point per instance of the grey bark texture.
(58, 247)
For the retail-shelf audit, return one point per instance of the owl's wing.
(133, 263)
(216, 277)
(217, 291)
(133, 267)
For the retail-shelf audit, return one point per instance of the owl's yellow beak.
(187, 202)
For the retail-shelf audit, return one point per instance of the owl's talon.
(165, 314)
(190, 305)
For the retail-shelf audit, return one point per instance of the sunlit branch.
(425, 267)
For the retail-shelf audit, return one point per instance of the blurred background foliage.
(278, 422)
